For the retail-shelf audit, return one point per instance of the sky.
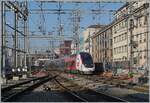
(50, 23)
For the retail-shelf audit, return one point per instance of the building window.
(120, 38)
(125, 48)
(117, 39)
(122, 24)
(140, 36)
(119, 25)
(123, 37)
(140, 57)
(137, 22)
(140, 23)
(140, 41)
(144, 56)
(119, 49)
(145, 20)
(144, 39)
(114, 50)
(114, 39)
(126, 23)
(145, 34)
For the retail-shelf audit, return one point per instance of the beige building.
(130, 33)
(123, 42)
(90, 31)
(102, 45)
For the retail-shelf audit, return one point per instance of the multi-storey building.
(102, 45)
(87, 34)
(139, 35)
(123, 42)
(120, 36)
(130, 30)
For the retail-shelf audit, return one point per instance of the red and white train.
(76, 63)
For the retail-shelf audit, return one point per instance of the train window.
(86, 58)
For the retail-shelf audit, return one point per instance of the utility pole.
(16, 37)
(131, 41)
(25, 41)
(76, 20)
(148, 42)
(1, 3)
(104, 42)
(25, 33)
(89, 37)
(131, 27)
(3, 41)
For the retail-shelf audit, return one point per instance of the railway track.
(49, 86)
(95, 82)
(89, 95)
(11, 92)
(52, 84)
(115, 82)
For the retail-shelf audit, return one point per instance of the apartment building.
(102, 45)
(123, 43)
(140, 35)
(130, 31)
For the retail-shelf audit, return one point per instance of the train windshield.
(87, 59)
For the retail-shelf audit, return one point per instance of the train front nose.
(88, 70)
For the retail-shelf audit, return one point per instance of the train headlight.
(23, 69)
(13, 70)
(18, 69)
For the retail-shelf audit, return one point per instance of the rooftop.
(96, 26)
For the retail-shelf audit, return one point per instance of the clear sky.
(50, 23)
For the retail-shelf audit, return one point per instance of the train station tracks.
(11, 92)
(88, 95)
(111, 87)
(116, 82)
(53, 88)
(58, 88)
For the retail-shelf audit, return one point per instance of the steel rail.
(39, 82)
(70, 92)
(83, 99)
(110, 98)
(21, 83)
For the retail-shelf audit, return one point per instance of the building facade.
(130, 31)
(102, 46)
(87, 34)
(124, 42)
